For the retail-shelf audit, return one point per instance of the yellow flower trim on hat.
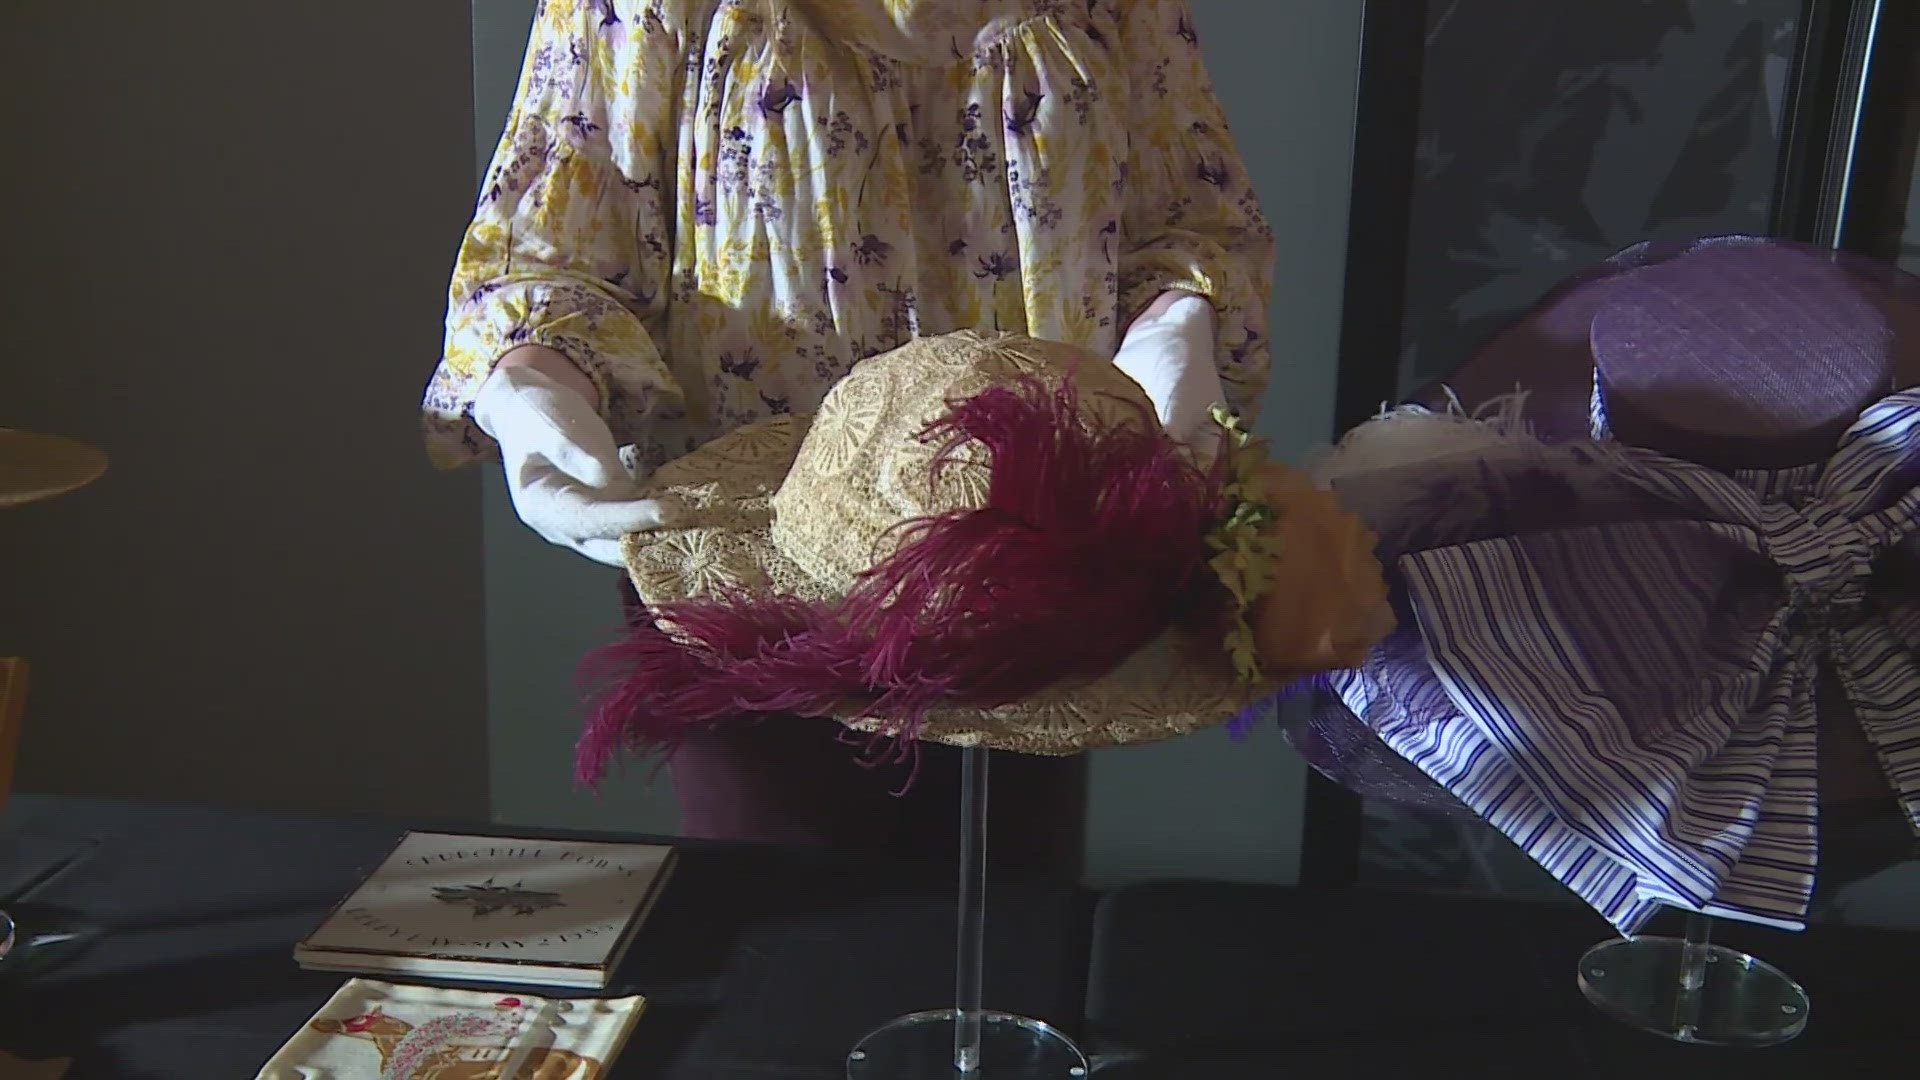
(1308, 592)
(1244, 551)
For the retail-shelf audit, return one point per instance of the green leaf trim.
(1244, 555)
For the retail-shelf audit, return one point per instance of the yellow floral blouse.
(715, 207)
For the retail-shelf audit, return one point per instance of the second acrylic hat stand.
(1690, 990)
(968, 1041)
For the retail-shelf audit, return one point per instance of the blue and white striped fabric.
(1632, 701)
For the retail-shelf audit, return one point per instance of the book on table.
(494, 909)
(374, 1030)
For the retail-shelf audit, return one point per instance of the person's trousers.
(803, 781)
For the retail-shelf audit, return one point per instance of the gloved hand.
(563, 469)
(1169, 351)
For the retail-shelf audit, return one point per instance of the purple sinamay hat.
(1642, 548)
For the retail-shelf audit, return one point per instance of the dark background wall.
(229, 226)
(1554, 134)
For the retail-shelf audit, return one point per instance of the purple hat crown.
(1745, 352)
(1732, 351)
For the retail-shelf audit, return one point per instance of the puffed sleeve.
(1191, 221)
(568, 246)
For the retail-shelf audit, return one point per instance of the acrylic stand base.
(968, 1041)
(40, 938)
(920, 1046)
(1733, 999)
(35, 937)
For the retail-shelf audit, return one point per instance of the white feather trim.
(1414, 434)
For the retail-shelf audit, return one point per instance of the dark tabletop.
(767, 964)
(1223, 982)
(756, 963)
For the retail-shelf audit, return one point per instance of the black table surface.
(1223, 982)
(765, 964)
(757, 962)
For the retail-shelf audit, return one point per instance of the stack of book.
(517, 914)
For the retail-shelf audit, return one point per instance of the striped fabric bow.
(1631, 698)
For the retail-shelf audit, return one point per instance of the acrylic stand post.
(1693, 991)
(968, 1041)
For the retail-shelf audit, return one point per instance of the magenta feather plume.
(1090, 543)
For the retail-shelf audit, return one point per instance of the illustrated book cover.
(558, 913)
(382, 1031)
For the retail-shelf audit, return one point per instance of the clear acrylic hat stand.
(1691, 990)
(968, 1041)
(1686, 989)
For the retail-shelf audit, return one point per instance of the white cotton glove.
(1170, 353)
(563, 469)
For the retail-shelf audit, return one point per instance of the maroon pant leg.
(798, 781)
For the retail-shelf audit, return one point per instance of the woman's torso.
(853, 173)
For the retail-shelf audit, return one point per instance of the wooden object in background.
(35, 466)
(13, 705)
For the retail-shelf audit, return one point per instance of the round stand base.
(919, 1046)
(39, 939)
(1743, 1001)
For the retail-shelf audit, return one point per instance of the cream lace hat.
(801, 508)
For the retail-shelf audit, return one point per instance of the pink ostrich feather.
(1090, 543)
